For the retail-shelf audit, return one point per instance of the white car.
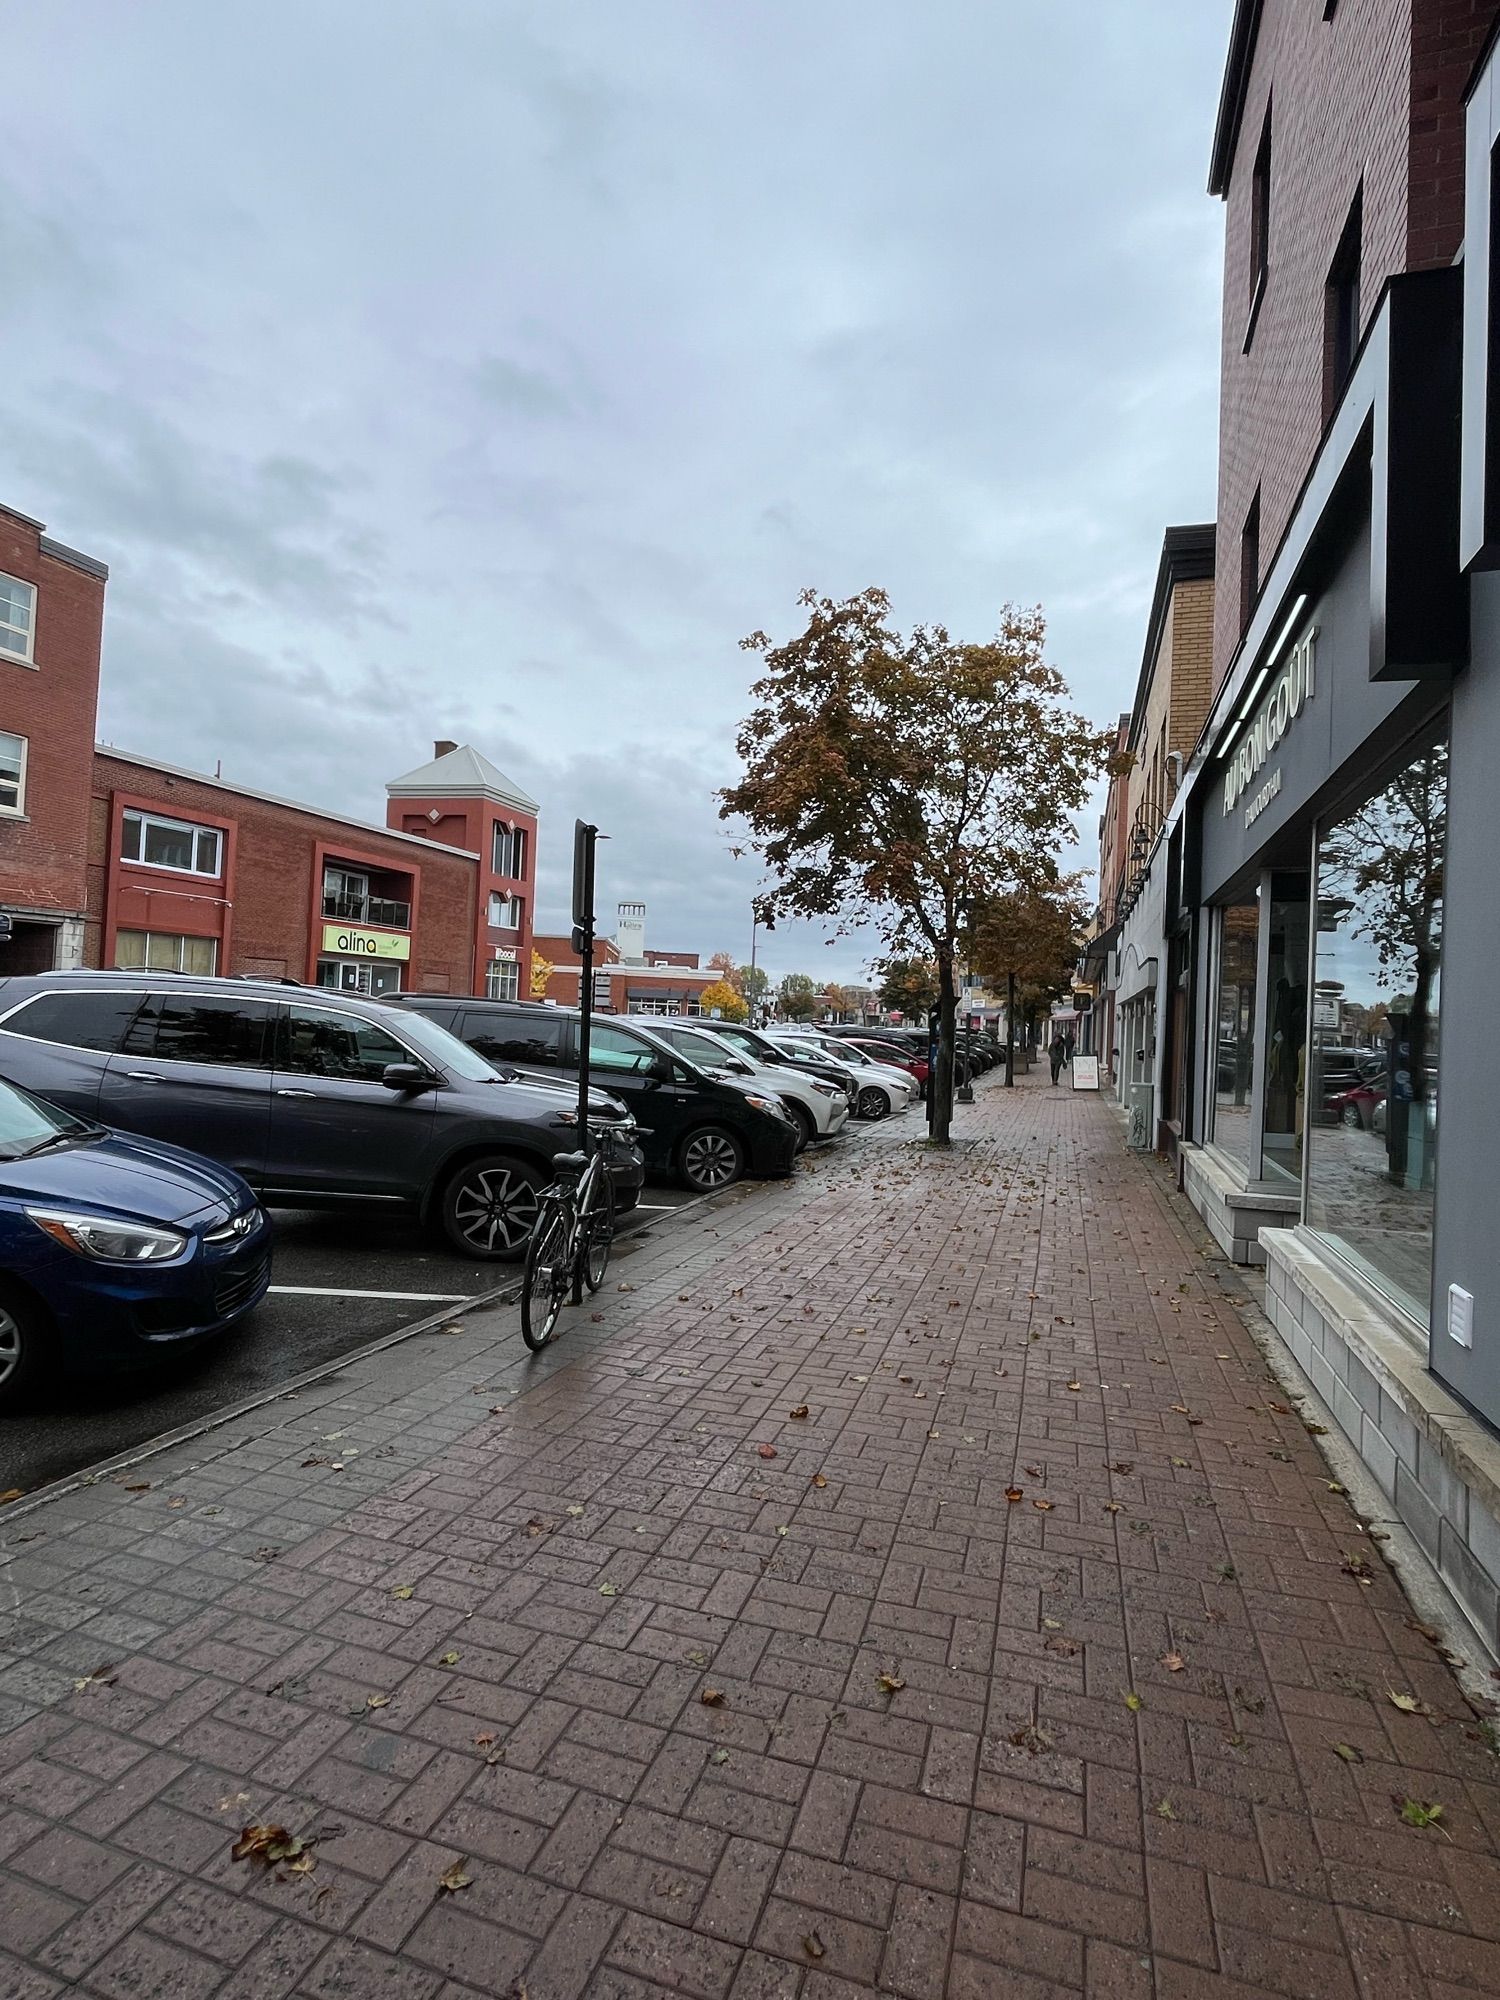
(882, 1089)
(820, 1109)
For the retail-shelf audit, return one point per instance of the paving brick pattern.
(453, 1606)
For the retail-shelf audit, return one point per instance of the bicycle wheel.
(544, 1288)
(598, 1233)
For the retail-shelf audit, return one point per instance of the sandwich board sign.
(1085, 1072)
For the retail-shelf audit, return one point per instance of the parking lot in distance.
(339, 1282)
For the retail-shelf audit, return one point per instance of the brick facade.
(265, 909)
(49, 702)
(1367, 103)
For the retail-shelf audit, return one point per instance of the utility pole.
(754, 930)
(585, 838)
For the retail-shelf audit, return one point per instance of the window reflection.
(1234, 1051)
(1372, 1068)
(1286, 1031)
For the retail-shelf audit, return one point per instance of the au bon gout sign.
(1284, 701)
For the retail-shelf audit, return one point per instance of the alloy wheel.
(873, 1102)
(710, 1161)
(495, 1210)
(12, 1346)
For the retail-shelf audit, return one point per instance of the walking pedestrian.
(1057, 1053)
(1067, 1045)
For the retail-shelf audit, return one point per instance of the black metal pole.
(1010, 1029)
(584, 838)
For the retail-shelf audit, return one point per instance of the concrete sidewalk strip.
(906, 1580)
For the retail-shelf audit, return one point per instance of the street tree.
(1028, 940)
(542, 970)
(723, 963)
(797, 997)
(903, 780)
(753, 984)
(908, 986)
(722, 998)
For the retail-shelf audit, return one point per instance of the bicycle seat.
(569, 1163)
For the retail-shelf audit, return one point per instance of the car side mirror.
(407, 1077)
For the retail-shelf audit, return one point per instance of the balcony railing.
(382, 910)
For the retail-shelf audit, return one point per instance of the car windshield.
(705, 1047)
(28, 1124)
(446, 1049)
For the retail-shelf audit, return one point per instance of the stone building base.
(1233, 1214)
(1437, 1465)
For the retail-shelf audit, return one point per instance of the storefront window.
(1286, 1031)
(502, 979)
(1234, 1050)
(360, 975)
(1372, 1091)
(164, 951)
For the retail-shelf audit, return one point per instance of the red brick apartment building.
(1339, 155)
(628, 978)
(109, 858)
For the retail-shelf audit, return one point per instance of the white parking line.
(345, 1292)
(653, 1208)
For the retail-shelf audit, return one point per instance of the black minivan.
(318, 1099)
(705, 1129)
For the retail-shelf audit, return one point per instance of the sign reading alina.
(364, 944)
(1292, 687)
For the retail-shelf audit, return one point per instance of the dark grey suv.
(320, 1100)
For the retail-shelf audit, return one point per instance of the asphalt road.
(339, 1282)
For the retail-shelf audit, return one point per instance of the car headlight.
(828, 1090)
(772, 1104)
(110, 1242)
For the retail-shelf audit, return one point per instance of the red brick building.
(51, 613)
(1349, 171)
(191, 874)
(628, 979)
(460, 798)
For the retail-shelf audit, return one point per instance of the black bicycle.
(575, 1228)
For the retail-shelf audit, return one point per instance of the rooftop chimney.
(443, 746)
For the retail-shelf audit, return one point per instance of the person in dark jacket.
(1057, 1054)
(1067, 1045)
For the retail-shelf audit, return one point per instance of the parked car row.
(148, 1120)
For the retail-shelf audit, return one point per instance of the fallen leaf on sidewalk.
(1014, 1493)
(1409, 1704)
(1123, 1465)
(377, 1701)
(268, 1844)
(720, 1756)
(1033, 1739)
(712, 1697)
(484, 1741)
(1134, 1703)
(17, 1493)
(813, 1945)
(819, 1479)
(448, 1659)
(1113, 1506)
(1075, 1386)
(608, 1590)
(536, 1525)
(453, 1879)
(799, 1411)
(890, 1683)
(403, 1591)
(1416, 1812)
(574, 1512)
(1052, 1624)
(1042, 1506)
(101, 1677)
(1358, 1567)
(1348, 1752)
(1164, 1809)
(1173, 1662)
(766, 1450)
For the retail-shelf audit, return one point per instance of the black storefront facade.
(1340, 903)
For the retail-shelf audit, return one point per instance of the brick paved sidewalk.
(1046, 1661)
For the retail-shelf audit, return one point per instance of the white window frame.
(500, 904)
(194, 827)
(27, 658)
(513, 838)
(495, 979)
(18, 810)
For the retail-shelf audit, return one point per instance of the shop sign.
(1085, 1072)
(365, 944)
(1292, 688)
(505, 954)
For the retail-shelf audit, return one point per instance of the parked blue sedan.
(114, 1251)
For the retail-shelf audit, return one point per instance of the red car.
(893, 1055)
(1356, 1106)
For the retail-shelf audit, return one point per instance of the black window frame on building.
(1250, 578)
(1341, 306)
(508, 852)
(1260, 228)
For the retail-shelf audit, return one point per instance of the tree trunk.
(1010, 1030)
(942, 1100)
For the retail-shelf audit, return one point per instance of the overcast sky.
(486, 370)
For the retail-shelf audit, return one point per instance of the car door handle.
(144, 1076)
(296, 1093)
